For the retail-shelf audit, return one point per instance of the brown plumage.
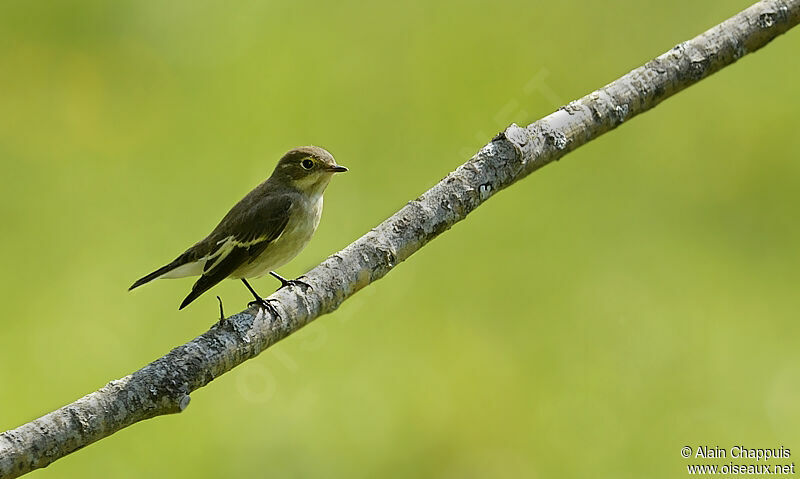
(264, 230)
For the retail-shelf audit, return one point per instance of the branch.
(163, 386)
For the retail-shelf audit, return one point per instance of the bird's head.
(307, 168)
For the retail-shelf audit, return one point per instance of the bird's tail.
(201, 286)
(155, 274)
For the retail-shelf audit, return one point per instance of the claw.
(289, 282)
(265, 303)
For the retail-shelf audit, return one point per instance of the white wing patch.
(243, 244)
(198, 267)
(227, 245)
(220, 254)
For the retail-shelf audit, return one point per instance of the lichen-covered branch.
(164, 386)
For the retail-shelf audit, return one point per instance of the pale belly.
(289, 244)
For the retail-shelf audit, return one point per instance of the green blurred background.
(636, 297)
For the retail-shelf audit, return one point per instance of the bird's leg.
(259, 299)
(221, 313)
(289, 282)
(264, 303)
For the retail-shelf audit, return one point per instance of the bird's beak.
(337, 169)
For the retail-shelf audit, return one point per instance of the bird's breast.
(304, 218)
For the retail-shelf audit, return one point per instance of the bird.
(263, 231)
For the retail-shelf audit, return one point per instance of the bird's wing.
(245, 232)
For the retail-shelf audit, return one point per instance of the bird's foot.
(290, 282)
(265, 304)
(296, 282)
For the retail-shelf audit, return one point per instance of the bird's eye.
(307, 164)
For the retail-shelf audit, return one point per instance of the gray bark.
(164, 386)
